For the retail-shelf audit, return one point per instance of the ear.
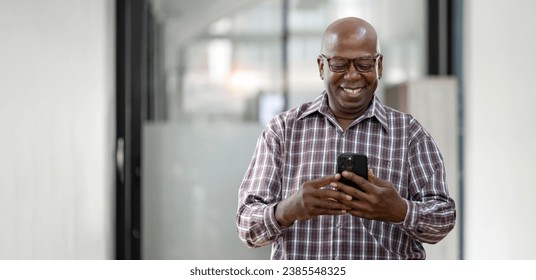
(379, 67)
(320, 63)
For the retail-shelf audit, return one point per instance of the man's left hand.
(379, 199)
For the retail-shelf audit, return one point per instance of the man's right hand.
(312, 200)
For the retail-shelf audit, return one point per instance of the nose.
(352, 73)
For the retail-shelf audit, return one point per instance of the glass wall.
(229, 67)
(223, 74)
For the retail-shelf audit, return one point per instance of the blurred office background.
(127, 125)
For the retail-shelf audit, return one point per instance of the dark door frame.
(131, 86)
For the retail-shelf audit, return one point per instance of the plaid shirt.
(303, 143)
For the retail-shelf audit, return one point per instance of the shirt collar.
(375, 110)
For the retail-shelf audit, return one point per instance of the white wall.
(57, 129)
(500, 150)
(432, 101)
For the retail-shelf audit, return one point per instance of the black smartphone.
(353, 162)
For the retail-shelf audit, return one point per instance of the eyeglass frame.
(351, 61)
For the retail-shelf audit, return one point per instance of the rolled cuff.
(272, 226)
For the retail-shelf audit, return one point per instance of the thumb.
(371, 176)
(373, 179)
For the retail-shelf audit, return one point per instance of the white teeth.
(352, 91)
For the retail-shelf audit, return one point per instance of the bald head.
(350, 65)
(349, 29)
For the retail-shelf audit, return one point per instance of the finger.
(351, 191)
(323, 181)
(377, 181)
(332, 205)
(360, 181)
(332, 212)
(359, 213)
(359, 207)
(331, 208)
(372, 178)
(371, 174)
(334, 195)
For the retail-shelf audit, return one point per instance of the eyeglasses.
(340, 64)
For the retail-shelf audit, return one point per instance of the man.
(291, 197)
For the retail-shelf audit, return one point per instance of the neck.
(345, 121)
(345, 117)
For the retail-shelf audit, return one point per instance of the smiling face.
(350, 91)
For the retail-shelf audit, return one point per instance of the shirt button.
(339, 225)
(336, 258)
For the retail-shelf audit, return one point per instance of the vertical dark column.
(131, 77)
(451, 36)
(440, 37)
(433, 37)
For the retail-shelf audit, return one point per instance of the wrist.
(401, 213)
(281, 215)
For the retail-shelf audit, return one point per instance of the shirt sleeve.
(260, 192)
(431, 211)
